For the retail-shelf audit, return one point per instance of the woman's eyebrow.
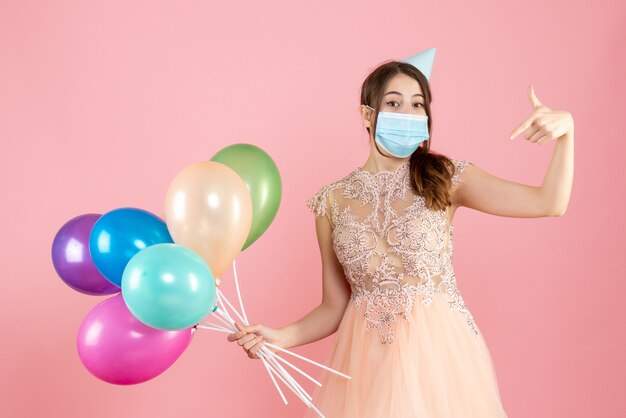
(395, 92)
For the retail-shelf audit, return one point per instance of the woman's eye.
(416, 104)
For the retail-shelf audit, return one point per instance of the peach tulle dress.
(406, 338)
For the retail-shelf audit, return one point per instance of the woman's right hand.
(252, 337)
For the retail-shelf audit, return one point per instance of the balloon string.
(222, 297)
(243, 311)
(216, 327)
(297, 369)
(224, 311)
(287, 382)
(213, 328)
(218, 316)
(287, 375)
(306, 359)
(271, 372)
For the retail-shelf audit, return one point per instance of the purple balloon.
(117, 348)
(72, 261)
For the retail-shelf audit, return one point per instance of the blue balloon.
(120, 234)
(169, 287)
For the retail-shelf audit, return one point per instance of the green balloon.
(168, 286)
(257, 169)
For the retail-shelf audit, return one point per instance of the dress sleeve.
(460, 167)
(319, 202)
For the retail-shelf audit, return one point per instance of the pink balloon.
(117, 348)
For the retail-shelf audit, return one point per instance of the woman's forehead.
(404, 85)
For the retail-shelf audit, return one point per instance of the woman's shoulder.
(319, 202)
(460, 167)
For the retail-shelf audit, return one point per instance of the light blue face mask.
(400, 134)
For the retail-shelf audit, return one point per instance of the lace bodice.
(391, 246)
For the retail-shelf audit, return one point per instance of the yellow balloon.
(208, 209)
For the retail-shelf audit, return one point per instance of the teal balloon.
(169, 287)
(262, 178)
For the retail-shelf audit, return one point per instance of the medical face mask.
(400, 133)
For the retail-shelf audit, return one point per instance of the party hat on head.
(423, 61)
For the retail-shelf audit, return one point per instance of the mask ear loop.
(373, 110)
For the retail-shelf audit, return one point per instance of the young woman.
(404, 333)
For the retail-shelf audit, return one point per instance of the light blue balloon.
(168, 286)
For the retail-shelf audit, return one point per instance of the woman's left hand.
(544, 124)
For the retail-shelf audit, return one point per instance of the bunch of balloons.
(164, 274)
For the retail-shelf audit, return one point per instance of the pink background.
(102, 103)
